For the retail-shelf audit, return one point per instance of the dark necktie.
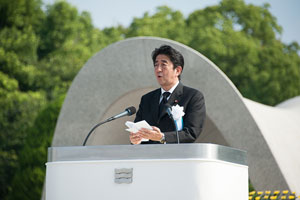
(163, 101)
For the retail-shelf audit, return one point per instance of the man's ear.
(178, 70)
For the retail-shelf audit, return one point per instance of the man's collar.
(170, 90)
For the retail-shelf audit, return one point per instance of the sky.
(107, 13)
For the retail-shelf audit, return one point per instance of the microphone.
(168, 109)
(128, 111)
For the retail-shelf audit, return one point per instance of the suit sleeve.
(193, 121)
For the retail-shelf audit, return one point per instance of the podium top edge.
(149, 151)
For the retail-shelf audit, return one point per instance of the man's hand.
(135, 138)
(154, 135)
(143, 133)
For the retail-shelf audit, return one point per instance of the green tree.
(40, 54)
(67, 40)
(241, 40)
(29, 176)
(164, 23)
(21, 13)
(19, 102)
(17, 111)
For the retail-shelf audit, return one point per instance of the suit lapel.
(174, 98)
(176, 95)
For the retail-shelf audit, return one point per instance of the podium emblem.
(123, 175)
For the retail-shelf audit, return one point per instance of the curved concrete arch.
(116, 78)
(280, 127)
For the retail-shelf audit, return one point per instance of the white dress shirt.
(170, 90)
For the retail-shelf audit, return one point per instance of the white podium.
(154, 172)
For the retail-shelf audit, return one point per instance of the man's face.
(165, 74)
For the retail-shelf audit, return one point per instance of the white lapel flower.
(177, 112)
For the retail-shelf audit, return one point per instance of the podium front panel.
(184, 171)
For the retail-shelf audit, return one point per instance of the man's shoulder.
(192, 91)
(151, 93)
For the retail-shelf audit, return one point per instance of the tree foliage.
(40, 54)
(19, 105)
(165, 23)
(33, 156)
(241, 40)
(41, 51)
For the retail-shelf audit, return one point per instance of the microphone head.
(168, 106)
(131, 110)
(168, 109)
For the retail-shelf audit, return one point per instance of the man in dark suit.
(168, 66)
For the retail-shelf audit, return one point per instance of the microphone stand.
(128, 111)
(176, 128)
(99, 124)
(168, 109)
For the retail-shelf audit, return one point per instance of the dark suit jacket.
(194, 107)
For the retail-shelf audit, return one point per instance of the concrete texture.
(280, 127)
(117, 77)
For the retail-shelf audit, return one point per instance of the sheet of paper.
(135, 127)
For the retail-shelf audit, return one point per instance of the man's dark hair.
(174, 55)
